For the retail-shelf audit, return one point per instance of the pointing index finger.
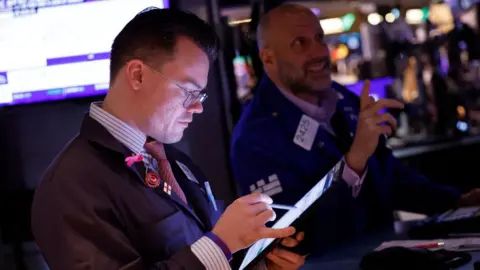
(364, 96)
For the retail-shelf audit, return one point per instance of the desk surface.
(408, 151)
(348, 257)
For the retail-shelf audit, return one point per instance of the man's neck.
(314, 98)
(112, 107)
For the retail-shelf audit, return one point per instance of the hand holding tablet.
(262, 247)
(243, 222)
(280, 258)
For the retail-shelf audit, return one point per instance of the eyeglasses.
(192, 95)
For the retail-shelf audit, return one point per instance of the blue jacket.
(92, 211)
(263, 150)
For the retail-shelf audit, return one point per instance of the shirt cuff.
(220, 244)
(210, 254)
(353, 179)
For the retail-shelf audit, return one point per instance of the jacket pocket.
(160, 240)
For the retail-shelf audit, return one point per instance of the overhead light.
(390, 17)
(414, 16)
(347, 21)
(332, 26)
(239, 21)
(396, 12)
(329, 26)
(374, 18)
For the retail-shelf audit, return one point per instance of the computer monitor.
(55, 50)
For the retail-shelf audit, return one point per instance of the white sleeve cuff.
(210, 254)
(353, 179)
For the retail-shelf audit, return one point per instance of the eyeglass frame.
(199, 95)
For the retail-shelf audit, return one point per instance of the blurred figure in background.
(410, 90)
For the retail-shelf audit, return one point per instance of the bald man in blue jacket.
(300, 124)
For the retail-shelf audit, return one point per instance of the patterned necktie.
(157, 150)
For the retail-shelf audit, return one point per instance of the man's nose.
(196, 107)
(320, 49)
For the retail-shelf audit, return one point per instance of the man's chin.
(172, 138)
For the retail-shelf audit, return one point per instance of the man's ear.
(267, 57)
(135, 74)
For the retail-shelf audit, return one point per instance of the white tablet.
(260, 248)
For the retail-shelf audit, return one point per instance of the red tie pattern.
(157, 150)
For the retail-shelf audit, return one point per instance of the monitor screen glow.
(53, 50)
(377, 87)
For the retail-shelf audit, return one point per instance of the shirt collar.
(322, 113)
(130, 137)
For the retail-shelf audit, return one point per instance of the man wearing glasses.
(118, 197)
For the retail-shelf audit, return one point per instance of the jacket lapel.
(195, 194)
(174, 197)
(97, 134)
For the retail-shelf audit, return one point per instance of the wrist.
(356, 162)
(221, 244)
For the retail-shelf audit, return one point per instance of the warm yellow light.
(239, 21)
(461, 111)
(441, 16)
(342, 52)
(390, 17)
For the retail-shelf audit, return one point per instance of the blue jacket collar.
(289, 114)
(272, 100)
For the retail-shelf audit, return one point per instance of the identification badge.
(187, 172)
(306, 132)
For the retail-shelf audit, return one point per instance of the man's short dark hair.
(155, 31)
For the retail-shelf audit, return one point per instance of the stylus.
(282, 206)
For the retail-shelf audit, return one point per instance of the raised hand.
(371, 124)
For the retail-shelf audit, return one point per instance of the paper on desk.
(456, 244)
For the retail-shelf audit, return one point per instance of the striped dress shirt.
(206, 250)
